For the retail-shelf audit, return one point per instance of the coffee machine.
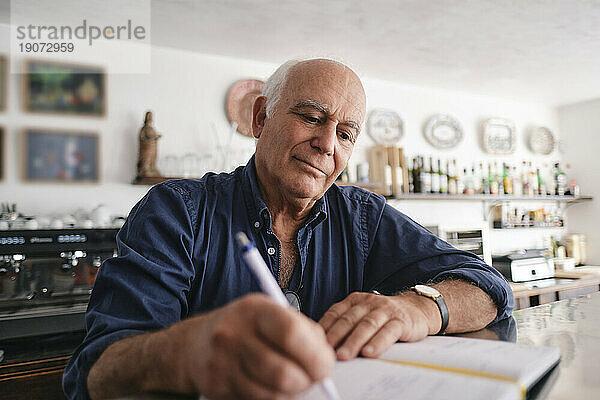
(46, 277)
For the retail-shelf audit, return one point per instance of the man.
(173, 311)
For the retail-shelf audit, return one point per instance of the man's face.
(306, 144)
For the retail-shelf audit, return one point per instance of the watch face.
(427, 290)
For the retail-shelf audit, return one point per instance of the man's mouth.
(311, 165)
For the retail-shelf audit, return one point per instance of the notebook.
(444, 367)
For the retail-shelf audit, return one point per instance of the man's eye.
(345, 136)
(310, 119)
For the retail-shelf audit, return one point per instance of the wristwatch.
(436, 296)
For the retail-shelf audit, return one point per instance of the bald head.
(302, 71)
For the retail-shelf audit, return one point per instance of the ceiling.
(541, 51)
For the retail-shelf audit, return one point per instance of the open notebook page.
(367, 379)
(527, 364)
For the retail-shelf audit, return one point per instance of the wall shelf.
(489, 201)
(489, 197)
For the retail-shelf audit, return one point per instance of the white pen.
(269, 285)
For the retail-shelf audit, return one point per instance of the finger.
(364, 330)
(299, 339)
(334, 313)
(339, 308)
(346, 323)
(391, 332)
(271, 369)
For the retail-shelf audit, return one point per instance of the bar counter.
(572, 325)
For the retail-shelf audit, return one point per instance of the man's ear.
(259, 114)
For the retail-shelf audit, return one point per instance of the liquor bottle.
(488, 179)
(517, 185)
(548, 176)
(426, 176)
(451, 168)
(541, 186)
(460, 182)
(435, 177)
(443, 178)
(483, 185)
(416, 172)
(411, 183)
(387, 180)
(531, 180)
(506, 179)
(560, 179)
(399, 179)
(525, 179)
(494, 180)
(469, 182)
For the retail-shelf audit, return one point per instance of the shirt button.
(271, 251)
(257, 224)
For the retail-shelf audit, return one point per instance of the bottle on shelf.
(494, 180)
(517, 184)
(435, 177)
(548, 176)
(531, 181)
(460, 182)
(452, 177)
(475, 182)
(469, 189)
(387, 180)
(443, 178)
(416, 174)
(507, 182)
(541, 185)
(525, 179)
(485, 184)
(411, 182)
(560, 179)
(426, 179)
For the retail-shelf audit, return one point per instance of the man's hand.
(369, 324)
(251, 348)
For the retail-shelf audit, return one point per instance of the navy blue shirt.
(177, 257)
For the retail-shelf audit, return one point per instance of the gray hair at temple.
(275, 84)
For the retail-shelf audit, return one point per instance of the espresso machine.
(46, 277)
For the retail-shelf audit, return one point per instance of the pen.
(269, 285)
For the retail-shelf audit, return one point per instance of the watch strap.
(441, 303)
(439, 300)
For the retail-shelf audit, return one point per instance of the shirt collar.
(258, 210)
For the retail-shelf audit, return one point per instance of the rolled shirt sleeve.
(404, 254)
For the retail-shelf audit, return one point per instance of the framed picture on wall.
(60, 155)
(51, 87)
(1, 153)
(3, 82)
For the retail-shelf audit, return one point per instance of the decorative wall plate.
(443, 131)
(240, 100)
(499, 136)
(385, 126)
(542, 141)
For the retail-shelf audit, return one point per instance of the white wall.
(187, 92)
(580, 124)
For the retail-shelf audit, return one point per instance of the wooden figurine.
(148, 150)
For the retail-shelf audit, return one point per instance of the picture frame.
(3, 82)
(61, 88)
(52, 155)
(2, 157)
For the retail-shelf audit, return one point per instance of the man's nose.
(325, 139)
